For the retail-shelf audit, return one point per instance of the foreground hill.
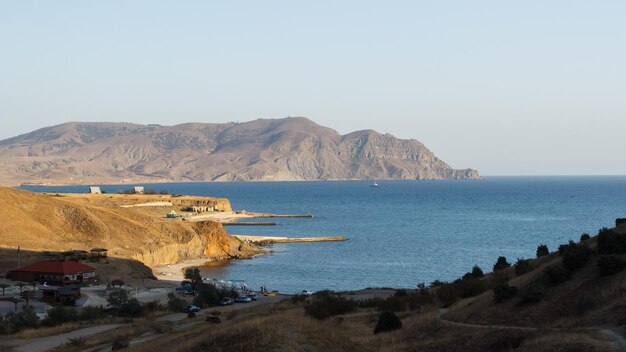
(42, 222)
(268, 150)
(524, 307)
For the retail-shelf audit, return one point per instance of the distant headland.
(289, 149)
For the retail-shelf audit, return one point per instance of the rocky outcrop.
(212, 242)
(260, 150)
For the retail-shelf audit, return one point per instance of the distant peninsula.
(289, 149)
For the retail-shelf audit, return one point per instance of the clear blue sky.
(509, 88)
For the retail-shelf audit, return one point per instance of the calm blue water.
(405, 232)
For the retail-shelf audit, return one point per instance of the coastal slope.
(45, 222)
(262, 150)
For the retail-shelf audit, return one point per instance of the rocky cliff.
(276, 150)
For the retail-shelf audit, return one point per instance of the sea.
(402, 232)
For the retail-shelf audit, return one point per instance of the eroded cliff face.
(210, 242)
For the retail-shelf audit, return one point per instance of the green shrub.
(530, 298)
(174, 303)
(400, 292)
(501, 264)
(611, 242)
(327, 303)
(575, 256)
(620, 221)
(504, 292)
(556, 274)
(448, 294)
(477, 272)
(436, 283)
(469, 287)
(522, 266)
(610, 264)
(542, 250)
(387, 321)
(131, 309)
(60, 314)
(584, 237)
(120, 343)
(88, 313)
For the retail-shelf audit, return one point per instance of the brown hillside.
(42, 222)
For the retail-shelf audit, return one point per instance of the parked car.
(252, 296)
(226, 301)
(305, 293)
(192, 309)
(243, 299)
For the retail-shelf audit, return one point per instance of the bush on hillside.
(556, 274)
(387, 321)
(500, 264)
(60, 314)
(611, 242)
(447, 294)
(575, 256)
(529, 298)
(436, 283)
(584, 237)
(477, 272)
(610, 264)
(469, 287)
(174, 303)
(400, 292)
(504, 292)
(542, 250)
(120, 343)
(620, 221)
(522, 266)
(327, 303)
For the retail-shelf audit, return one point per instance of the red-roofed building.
(55, 272)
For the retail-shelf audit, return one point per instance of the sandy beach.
(175, 272)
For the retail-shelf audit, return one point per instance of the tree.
(117, 299)
(542, 250)
(477, 272)
(574, 256)
(522, 266)
(193, 275)
(584, 237)
(501, 263)
(387, 321)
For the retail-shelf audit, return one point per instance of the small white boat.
(374, 184)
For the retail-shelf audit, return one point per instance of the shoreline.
(45, 184)
(175, 272)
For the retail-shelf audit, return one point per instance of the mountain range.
(286, 149)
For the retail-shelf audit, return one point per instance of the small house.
(98, 253)
(95, 190)
(55, 272)
(138, 190)
(66, 295)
